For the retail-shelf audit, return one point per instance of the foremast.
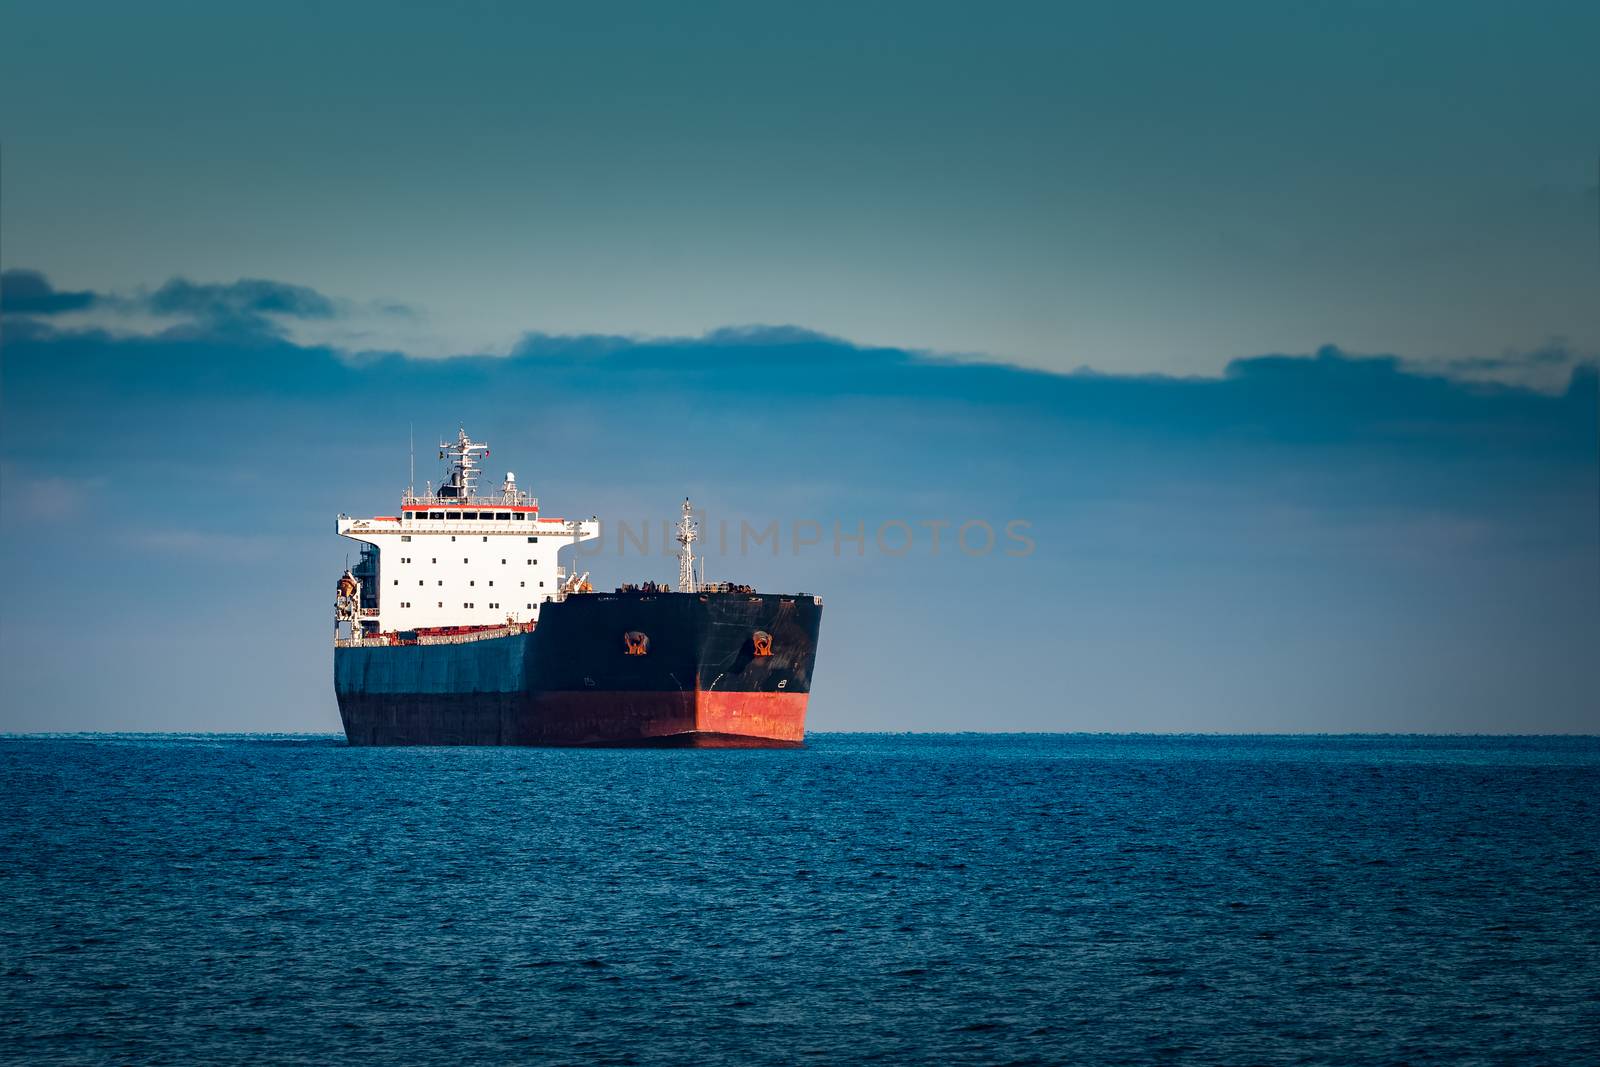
(688, 533)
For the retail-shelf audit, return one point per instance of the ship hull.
(704, 679)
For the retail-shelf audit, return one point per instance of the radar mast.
(463, 477)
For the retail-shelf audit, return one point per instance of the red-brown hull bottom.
(696, 740)
(690, 719)
(695, 718)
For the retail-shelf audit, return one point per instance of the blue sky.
(1275, 324)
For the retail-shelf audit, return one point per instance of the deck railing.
(500, 500)
(387, 640)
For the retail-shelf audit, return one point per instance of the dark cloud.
(28, 292)
(248, 309)
(768, 335)
(247, 296)
(556, 346)
(1280, 401)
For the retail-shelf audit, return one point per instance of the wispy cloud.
(42, 498)
(1546, 367)
(249, 309)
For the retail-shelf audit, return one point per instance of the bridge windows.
(452, 514)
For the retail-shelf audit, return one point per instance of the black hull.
(700, 677)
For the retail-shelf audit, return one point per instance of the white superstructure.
(453, 557)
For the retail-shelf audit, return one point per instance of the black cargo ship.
(700, 665)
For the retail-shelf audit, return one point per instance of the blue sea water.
(899, 899)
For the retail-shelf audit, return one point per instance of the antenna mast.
(688, 531)
(464, 466)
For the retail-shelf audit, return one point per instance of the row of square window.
(407, 538)
(464, 559)
(473, 516)
(472, 582)
(407, 604)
